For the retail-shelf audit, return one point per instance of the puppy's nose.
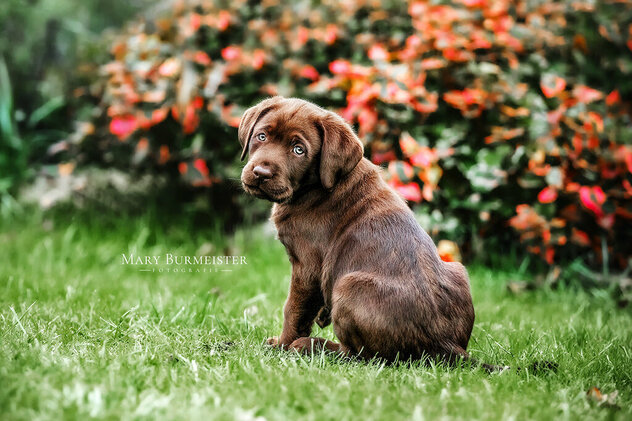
(262, 172)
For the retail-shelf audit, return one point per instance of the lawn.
(84, 336)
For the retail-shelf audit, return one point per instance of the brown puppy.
(356, 250)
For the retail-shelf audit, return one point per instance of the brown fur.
(359, 258)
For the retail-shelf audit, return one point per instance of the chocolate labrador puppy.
(357, 252)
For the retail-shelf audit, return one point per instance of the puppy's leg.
(303, 303)
(372, 317)
(358, 316)
(308, 345)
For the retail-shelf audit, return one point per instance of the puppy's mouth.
(277, 195)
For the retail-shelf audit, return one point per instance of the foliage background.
(504, 123)
(46, 49)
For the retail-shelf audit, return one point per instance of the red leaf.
(592, 198)
(424, 157)
(231, 53)
(381, 157)
(546, 236)
(182, 168)
(377, 52)
(200, 165)
(198, 102)
(169, 67)
(367, 119)
(196, 21)
(580, 237)
(406, 169)
(309, 72)
(302, 36)
(202, 58)
(475, 3)
(613, 98)
(586, 95)
(191, 120)
(628, 159)
(123, 126)
(547, 195)
(340, 67)
(410, 191)
(223, 21)
(578, 143)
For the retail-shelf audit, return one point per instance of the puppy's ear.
(250, 119)
(341, 149)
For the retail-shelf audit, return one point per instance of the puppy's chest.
(303, 238)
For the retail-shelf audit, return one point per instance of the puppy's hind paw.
(323, 319)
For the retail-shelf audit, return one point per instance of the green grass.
(82, 336)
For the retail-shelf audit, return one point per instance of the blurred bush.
(41, 44)
(487, 114)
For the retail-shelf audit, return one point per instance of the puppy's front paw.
(273, 341)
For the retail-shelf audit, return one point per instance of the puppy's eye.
(298, 149)
(261, 137)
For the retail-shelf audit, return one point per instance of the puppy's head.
(293, 145)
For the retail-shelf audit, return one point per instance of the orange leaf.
(408, 145)
(552, 85)
(331, 34)
(432, 63)
(164, 154)
(143, 145)
(66, 169)
(448, 251)
(258, 59)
